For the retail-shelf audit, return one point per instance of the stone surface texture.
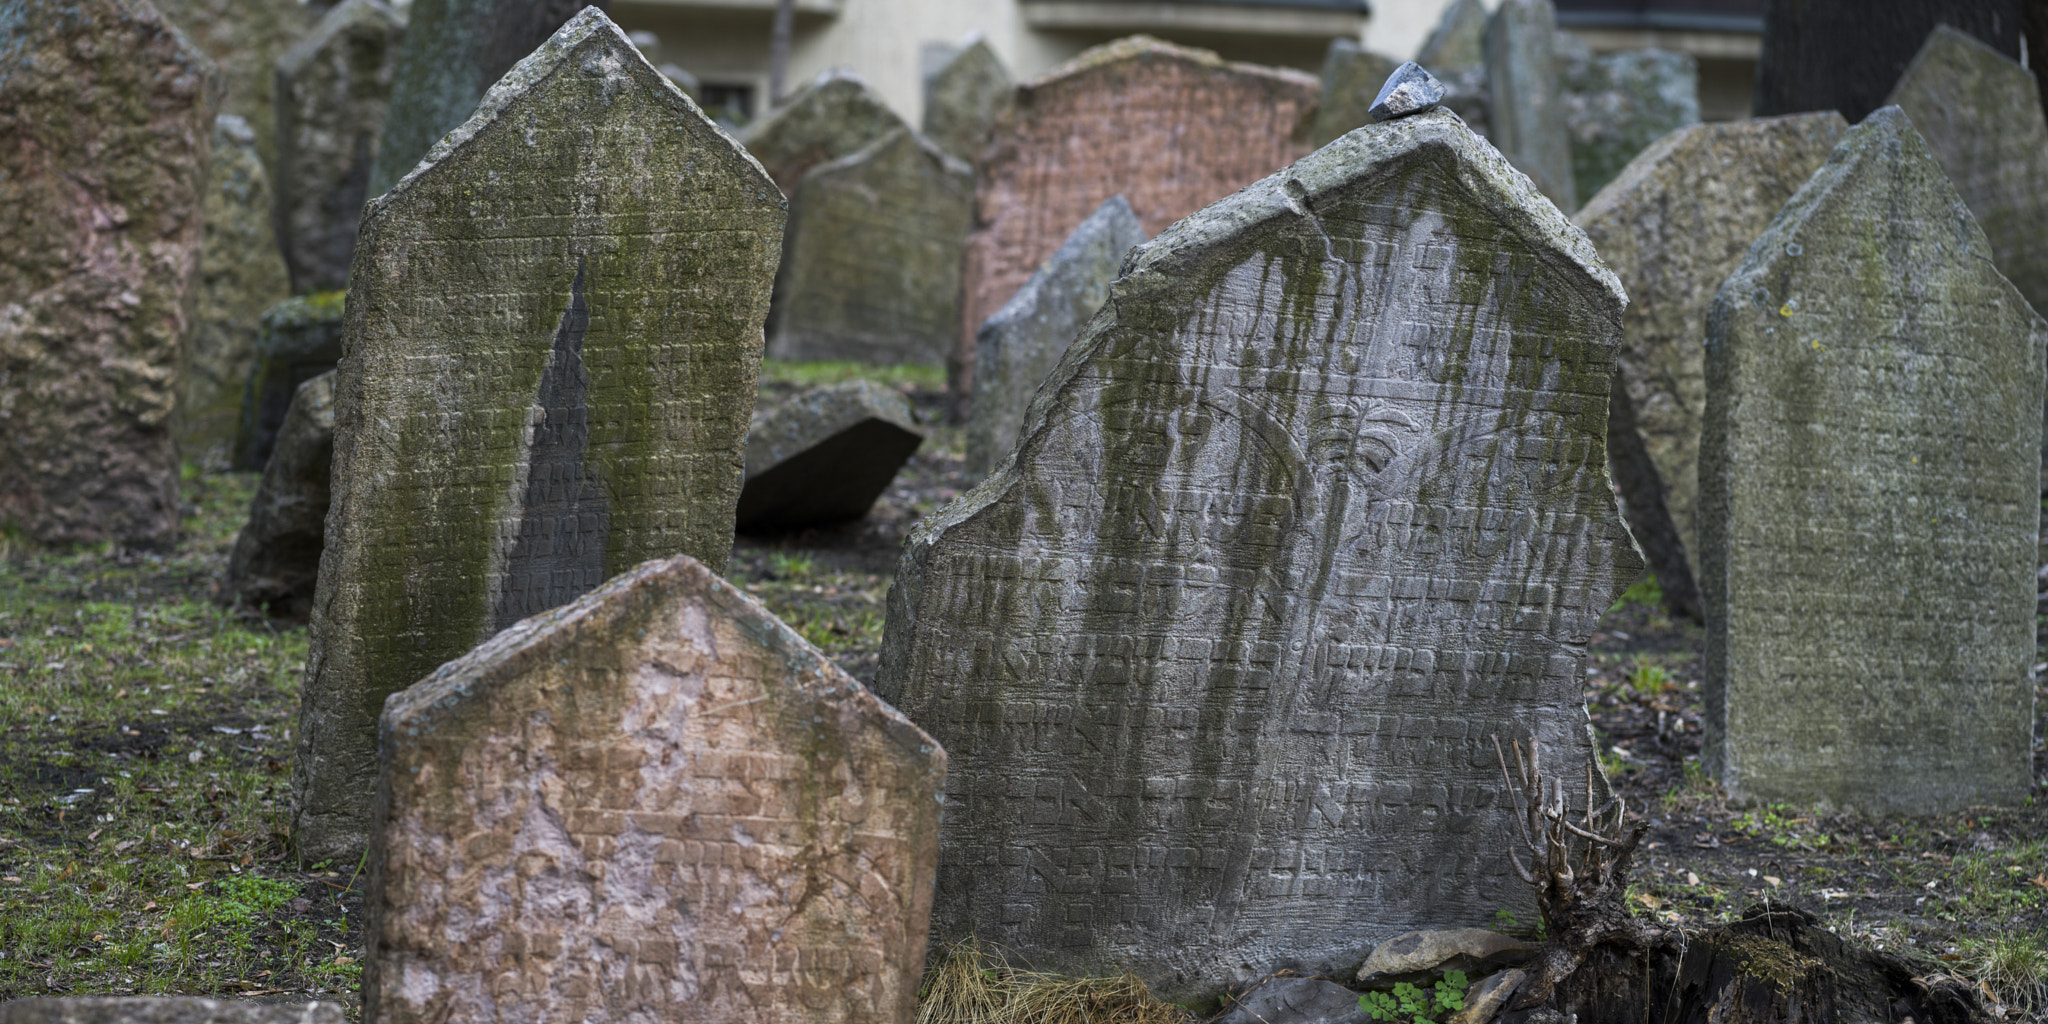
(1466, 94)
(826, 455)
(1525, 110)
(300, 340)
(1295, 1001)
(963, 99)
(1458, 41)
(1617, 104)
(1426, 954)
(1868, 484)
(834, 115)
(241, 274)
(275, 564)
(1169, 128)
(106, 127)
(1316, 505)
(1352, 77)
(871, 261)
(332, 91)
(165, 1010)
(1846, 55)
(550, 351)
(658, 803)
(244, 38)
(1409, 90)
(1673, 226)
(1017, 348)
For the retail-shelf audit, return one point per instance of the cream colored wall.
(1398, 27)
(882, 40)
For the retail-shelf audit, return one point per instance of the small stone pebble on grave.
(1409, 90)
(824, 456)
(1351, 76)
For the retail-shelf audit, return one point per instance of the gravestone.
(1316, 506)
(963, 99)
(244, 38)
(534, 398)
(1167, 127)
(1846, 55)
(1672, 227)
(106, 126)
(1525, 107)
(871, 263)
(825, 456)
(835, 114)
(1352, 76)
(690, 813)
(240, 276)
(1868, 488)
(1019, 346)
(300, 340)
(1616, 104)
(164, 1010)
(1458, 41)
(276, 560)
(1466, 94)
(332, 90)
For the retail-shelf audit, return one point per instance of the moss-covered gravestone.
(1352, 77)
(1868, 485)
(240, 276)
(825, 456)
(963, 99)
(300, 340)
(656, 804)
(835, 114)
(244, 38)
(549, 355)
(1313, 509)
(106, 125)
(1617, 104)
(275, 564)
(1525, 107)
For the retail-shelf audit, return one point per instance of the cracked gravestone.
(1617, 104)
(1868, 488)
(1525, 107)
(1673, 226)
(1352, 76)
(165, 1010)
(825, 456)
(300, 340)
(1457, 41)
(963, 99)
(275, 564)
(550, 346)
(834, 115)
(1312, 509)
(106, 126)
(240, 276)
(1847, 55)
(656, 803)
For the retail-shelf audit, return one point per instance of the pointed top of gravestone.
(1409, 90)
(833, 115)
(1458, 41)
(963, 98)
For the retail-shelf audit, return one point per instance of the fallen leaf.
(2040, 880)
(1691, 879)
(195, 886)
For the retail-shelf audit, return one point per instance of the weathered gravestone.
(106, 123)
(1167, 127)
(835, 114)
(300, 340)
(244, 38)
(1846, 55)
(657, 803)
(240, 276)
(165, 1010)
(1019, 346)
(1868, 496)
(1458, 41)
(825, 456)
(550, 348)
(1352, 76)
(1673, 226)
(1316, 507)
(963, 99)
(332, 89)
(276, 561)
(871, 262)
(1616, 104)
(1525, 107)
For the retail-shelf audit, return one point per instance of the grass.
(814, 374)
(969, 984)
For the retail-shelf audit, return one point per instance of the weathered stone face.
(549, 355)
(244, 38)
(833, 115)
(1868, 486)
(1019, 346)
(332, 89)
(1846, 55)
(1312, 509)
(871, 265)
(106, 123)
(1525, 107)
(1458, 41)
(1352, 77)
(276, 561)
(300, 340)
(656, 803)
(1616, 104)
(825, 456)
(963, 99)
(165, 1010)
(240, 276)
(1673, 226)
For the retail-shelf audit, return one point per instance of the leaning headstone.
(871, 263)
(1847, 55)
(1525, 98)
(300, 340)
(276, 561)
(1616, 104)
(106, 123)
(657, 803)
(332, 90)
(240, 276)
(550, 348)
(1458, 41)
(1352, 76)
(1868, 488)
(1017, 348)
(963, 99)
(1672, 227)
(165, 1010)
(1313, 508)
(244, 38)
(834, 115)
(825, 456)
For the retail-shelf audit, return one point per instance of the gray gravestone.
(1316, 506)
(1458, 41)
(550, 347)
(963, 99)
(244, 38)
(1868, 498)
(825, 456)
(1616, 104)
(332, 91)
(835, 114)
(1352, 76)
(276, 560)
(871, 264)
(656, 804)
(240, 276)
(165, 1010)
(1846, 55)
(300, 340)
(1525, 107)
(1016, 349)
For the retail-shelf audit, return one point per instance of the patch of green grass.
(1646, 592)
(814, 374)
(1649, 678)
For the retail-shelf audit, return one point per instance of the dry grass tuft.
(970, 985)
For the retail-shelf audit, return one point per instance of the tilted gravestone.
(106, 123)
(332, 90)
(1617, 104)
(300, 340)
(244, 38)
(275, 564)
(550, 347)
(1458, 41)
(871, 262)
(165, 1010)
(1313, 509)
(1672, 227)
(240, 276)
(1352, 76)
(963, 99)
(1868, 487)
(656, 803)
(1017, 348)
(1847, 55)
(835, 114)
(825, 456)
(1525, 107)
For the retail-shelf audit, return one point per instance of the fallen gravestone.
(276, 560)
(532, 399)
(871, 262)
(300, 339)
(1019, 346)
(240, 276)
(244, 38)
(1352, 77)
(835, 114)
(1846, 55)
(106, 123)
(332, 90)
(690, 813)
(165, 1010)
(825, 456)
(1617, 104)
(1868, 487)
(1312, 509)
(963, 99)
(1458, 41)
(1525, 107)
(1295, 1001)
(1673, 226)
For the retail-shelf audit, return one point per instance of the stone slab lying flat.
(825, 456)
(165, 1010)
(276, 559)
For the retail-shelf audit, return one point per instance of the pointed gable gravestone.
(240, 276)
(963, 99)
(658, 803)
(1868, 497)
(1673, 226)
(825, 456)
(1458, 41)
(1525, 107)
(836, 114)
(1316, 506)
(549, 354)
(871, 263)
(1019, 346)
(1352, 77)
(106, 123)
(1846, 55)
